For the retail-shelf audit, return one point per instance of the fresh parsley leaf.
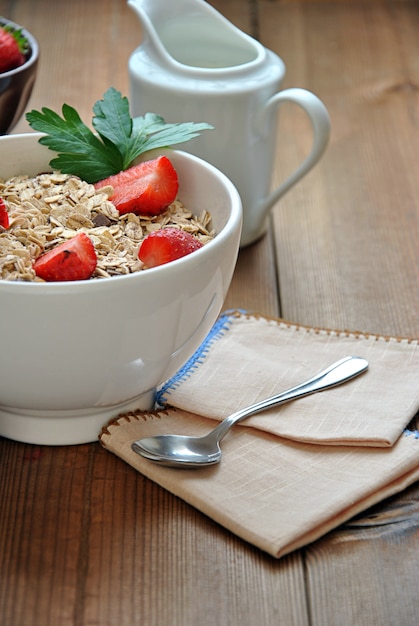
(118, 142)
(113, 123)
(161, 135)
(80, 151)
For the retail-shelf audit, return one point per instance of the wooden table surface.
(84, 539)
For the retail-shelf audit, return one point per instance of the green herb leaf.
(118, 142)
(80, 152)
(113, 123)
(161, 135)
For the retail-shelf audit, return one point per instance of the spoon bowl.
(180, 450)
(185, 451)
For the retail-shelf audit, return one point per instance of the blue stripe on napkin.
(221, 326)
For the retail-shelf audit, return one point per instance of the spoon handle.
(339, 372)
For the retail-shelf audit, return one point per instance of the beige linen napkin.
(285, 480)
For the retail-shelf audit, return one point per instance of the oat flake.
(49, 209)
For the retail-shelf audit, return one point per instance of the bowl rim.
(34, 49)
(233, 222)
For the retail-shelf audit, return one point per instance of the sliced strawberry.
(147, 188)
(12, 48)
(74, 259)
(165, 245)
(4, 216)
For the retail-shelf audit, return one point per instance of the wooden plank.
(367, 568)
(254, 285)
(346, 236)
(346, 240)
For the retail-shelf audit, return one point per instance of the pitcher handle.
(320, 122)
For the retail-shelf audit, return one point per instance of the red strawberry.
(4, 216)
(13, 47)
(74, 259)
(147, 188)
(165, 245)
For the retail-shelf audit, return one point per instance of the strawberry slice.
(74, 259)
(165, 245)
(4, 216)
(147, 188)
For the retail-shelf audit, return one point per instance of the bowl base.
(63, 428)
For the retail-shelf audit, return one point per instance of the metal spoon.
(185, 451)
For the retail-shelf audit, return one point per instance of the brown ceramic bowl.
(16, 85)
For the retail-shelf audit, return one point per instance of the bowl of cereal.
(76, 353)
(18, 68)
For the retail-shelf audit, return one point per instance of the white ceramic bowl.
(74, 355)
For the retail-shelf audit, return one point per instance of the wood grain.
(84, 539)
(346, 236)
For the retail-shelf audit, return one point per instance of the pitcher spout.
(187, 36)
(148, 13)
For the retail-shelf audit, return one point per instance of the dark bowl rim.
(34, 48)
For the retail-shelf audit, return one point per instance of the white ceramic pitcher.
(194, 65)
